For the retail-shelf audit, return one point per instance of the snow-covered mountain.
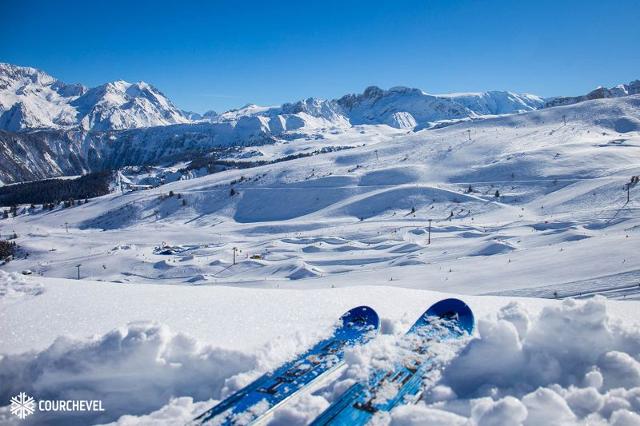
(32, 99)
(496, 102)
(398, 107)
(620, 90)
(403, 107)
(122, 116)
(50, 128)
(122, 105)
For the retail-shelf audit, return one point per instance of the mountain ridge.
(32, 99)
(632, 88)
(49, 128)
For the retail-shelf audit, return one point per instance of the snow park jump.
(330, 213)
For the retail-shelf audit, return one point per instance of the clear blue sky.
(224, 54)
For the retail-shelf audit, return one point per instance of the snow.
(137, 365)
(31, 99)
(123, 105)
(633, 88)
(14, 287)
(178, 410)
(497, 102)
(253, 278)
(530, 357)
(561, 202)
(143, 127)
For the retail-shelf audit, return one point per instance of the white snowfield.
(520, 205)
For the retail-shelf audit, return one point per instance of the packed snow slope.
(190, 290)
(526, 193)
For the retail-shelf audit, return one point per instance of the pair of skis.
(253, 403)
(445, 320)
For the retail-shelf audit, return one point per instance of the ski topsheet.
(259, 398)
(386, 389)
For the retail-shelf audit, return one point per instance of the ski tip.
(361, 316)
(454, 307)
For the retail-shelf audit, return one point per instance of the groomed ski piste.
(530, 226)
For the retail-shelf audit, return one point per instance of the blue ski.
(445, 320)
(252, 403)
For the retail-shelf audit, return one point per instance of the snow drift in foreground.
(133, 369)
(571, 364)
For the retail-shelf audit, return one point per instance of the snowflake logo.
(22, 405)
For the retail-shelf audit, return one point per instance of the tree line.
(213, 164)
(56, 190)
